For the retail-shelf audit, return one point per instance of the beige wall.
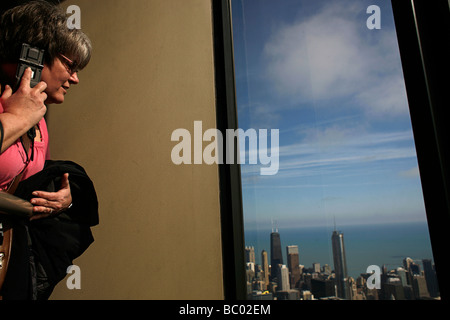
(151, 73)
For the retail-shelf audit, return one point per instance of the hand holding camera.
(26, 104)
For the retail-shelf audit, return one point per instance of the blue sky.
(335, 90)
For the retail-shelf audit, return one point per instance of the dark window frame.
(232, 223)
(425, 63)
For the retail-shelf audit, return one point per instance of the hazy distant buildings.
(316, 267)
(340, 263)
(326, 269)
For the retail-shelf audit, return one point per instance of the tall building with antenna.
(276, 256)
(340, 263)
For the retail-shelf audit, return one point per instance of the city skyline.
(366, 245)
(287, 280)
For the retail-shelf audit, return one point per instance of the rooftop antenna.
(274, 225)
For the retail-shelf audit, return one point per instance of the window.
(341, 214)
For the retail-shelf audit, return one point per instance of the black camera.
(33, 58)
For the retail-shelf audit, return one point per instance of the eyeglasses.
(71, 66)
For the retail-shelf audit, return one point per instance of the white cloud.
(332, 55)
(262, 116)
(339, 152)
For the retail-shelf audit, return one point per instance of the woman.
(67, 51)
(24, 148)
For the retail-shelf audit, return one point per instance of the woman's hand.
(22, 109)
(26, 102)
(52, 203)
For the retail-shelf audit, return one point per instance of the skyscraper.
(419, 286)
(316, 267)
(284, 278)
(340, 263)
(276, 257)
(265, 266)
(430, 276)
(293, 265)
(250, 254)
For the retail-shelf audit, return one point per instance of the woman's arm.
(21, 110)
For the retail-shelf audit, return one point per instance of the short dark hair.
(43, 25)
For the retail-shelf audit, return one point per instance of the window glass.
(332, 197)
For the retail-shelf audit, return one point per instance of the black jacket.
(43, 249)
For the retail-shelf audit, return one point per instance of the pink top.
(14, 159)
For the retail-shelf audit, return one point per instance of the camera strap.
(6, 230)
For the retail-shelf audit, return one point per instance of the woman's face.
(59, 78)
